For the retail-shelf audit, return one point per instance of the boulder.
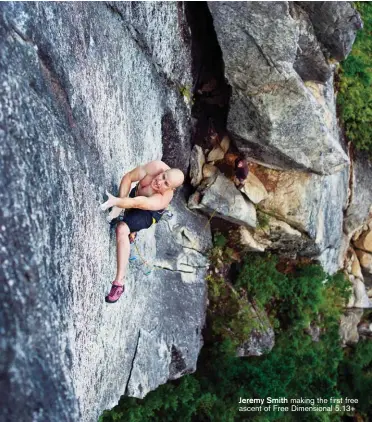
(225, 144)
(335, 24)
(360, 206)
(250, 242)
(313, 205)
(216, 154)
(359, 298)
(273, 117)
(365, 260)
(310, 62)
(349, 326)
(261, 339)
(254, 189)
(356, 271)
(365, 330)
(197, 161)
(275, 236)
(209, 171)
(222, 199)
(365, 241)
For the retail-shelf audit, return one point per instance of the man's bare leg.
(122, 251)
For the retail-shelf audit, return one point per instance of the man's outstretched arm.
(153, 203)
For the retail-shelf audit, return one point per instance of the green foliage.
(186, 93)
(262, 220)
(355, 93)
(230, 314)
(298, 298)
(355, 376)
(296, 367)
(219, 240)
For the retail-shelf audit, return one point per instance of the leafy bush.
(296, 367)
(297, 298)
(355, 93)
(355, 376)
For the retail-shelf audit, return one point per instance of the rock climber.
(144, 206)
(241, 171)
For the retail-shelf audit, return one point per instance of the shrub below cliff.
(355, 92)
(296, 367)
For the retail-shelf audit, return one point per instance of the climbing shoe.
(116, 291)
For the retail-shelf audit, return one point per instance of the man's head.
(169, 179)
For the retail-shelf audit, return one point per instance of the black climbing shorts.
(137, 219)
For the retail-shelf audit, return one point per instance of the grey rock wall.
(273, 116)
(89, 91)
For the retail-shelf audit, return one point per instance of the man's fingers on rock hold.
(104, 206)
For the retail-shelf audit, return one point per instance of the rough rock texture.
(359, 298)
(197, 161)
(360, 207)
(364, 242)
(254, 189)
(365, 330)
(273, 116)
(216, 154)
(365, 260)
(310, 62)
(356, 270)
(222, 199)
(250, 242)
(276, 236)
(312, 204)
(349, 326)
(261, 339)
(335, 24)
(87, 93)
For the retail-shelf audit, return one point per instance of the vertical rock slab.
(86, 94)
(360, 206)
(335, 24)
(312, 204)
(221, 198)
(272, 116)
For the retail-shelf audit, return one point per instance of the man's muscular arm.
(133, 176)
(152, 168)
(153, 203)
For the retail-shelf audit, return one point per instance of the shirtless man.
(145, 205)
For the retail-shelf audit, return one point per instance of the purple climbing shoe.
(116, 291)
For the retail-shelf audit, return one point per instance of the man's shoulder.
(155, 167)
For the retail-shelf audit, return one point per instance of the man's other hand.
(111, 202)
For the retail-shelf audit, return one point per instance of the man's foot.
(116, 291)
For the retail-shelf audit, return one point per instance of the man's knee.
(122, 231)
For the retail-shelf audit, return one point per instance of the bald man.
(145, 205)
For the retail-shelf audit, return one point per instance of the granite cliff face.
(87, 92)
